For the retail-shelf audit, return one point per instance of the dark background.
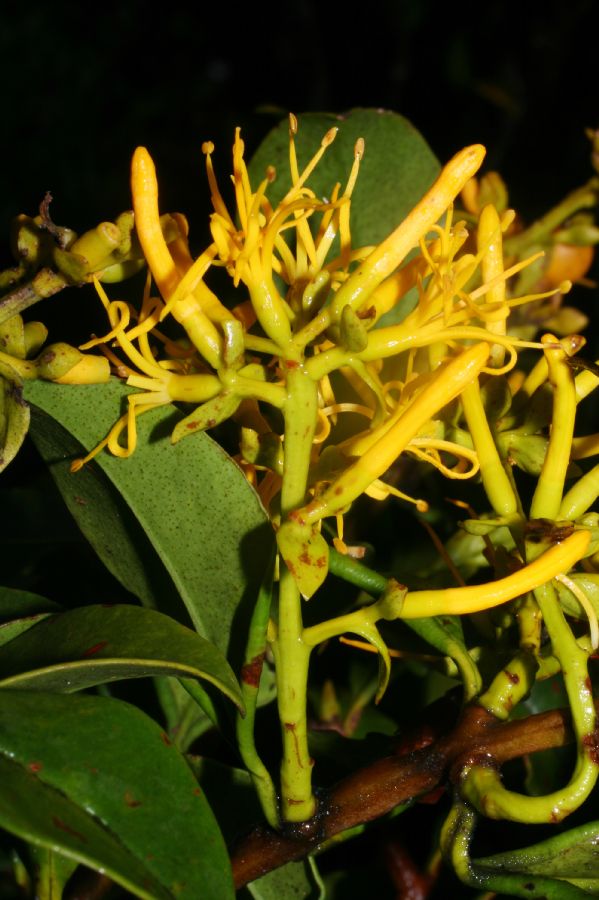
(82, 84)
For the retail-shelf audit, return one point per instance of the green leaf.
(571, 857)
(296, 880)
(15, 603)
(98, 644)
(97, 780)
(398, 166)
(11, 630)
(22, 611)
(102, 514)
(195, 507)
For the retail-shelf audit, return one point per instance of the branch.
(375, 790)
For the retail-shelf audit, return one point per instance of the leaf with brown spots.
(62, 652)
(126, 802)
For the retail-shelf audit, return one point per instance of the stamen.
(507, 273)
(293, 167)
(380, 490)
(241, 182)
(301, 179)
(344, 210)
(216, 197)
(427, 449)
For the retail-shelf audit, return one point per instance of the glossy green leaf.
(11, 630)
(397, 168)
(203, 520)
(99, 644)
(98, 780)
(571, 858)
(104, 517)
(20, 611)
(15, 603)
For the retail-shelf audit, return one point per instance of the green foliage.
(202, 522)
(149, 789)
(568, 864)
(73, 764)
(95, 645)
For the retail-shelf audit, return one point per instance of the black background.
(82, 84)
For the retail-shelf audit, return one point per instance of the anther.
(329, 137)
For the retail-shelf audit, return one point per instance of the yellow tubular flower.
(558, 560)
(448, 382)
(144, 187)
(383, 261)
(490, 243)
(548, 494)
(186, 308)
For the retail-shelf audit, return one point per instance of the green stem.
(581, 496)
(482, 785)
(492, 469)
(292, 655)
(45, 284)
(510, 685)
(250, 684)
(548, 494)
(431, 629)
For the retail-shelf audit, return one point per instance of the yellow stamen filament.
(427, 450)
(380, 490)
(394, 654)
(116, 308)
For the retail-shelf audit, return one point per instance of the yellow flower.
(323, 320)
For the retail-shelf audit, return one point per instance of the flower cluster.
(310, 299)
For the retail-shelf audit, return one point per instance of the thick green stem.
(292, 655)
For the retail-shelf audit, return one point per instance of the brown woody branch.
(377, 789)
